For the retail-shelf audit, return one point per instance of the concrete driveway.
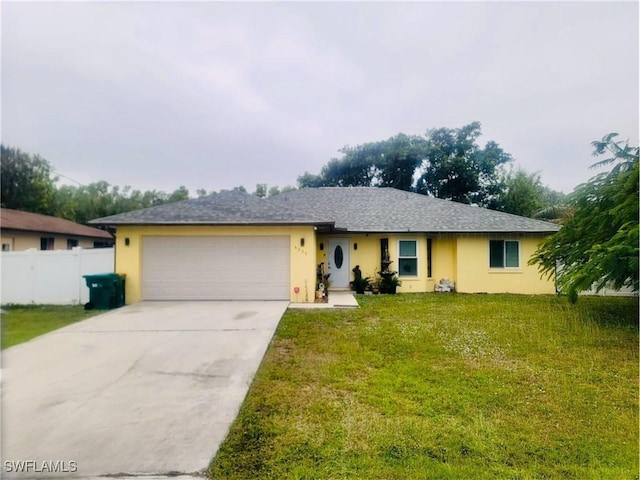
(148, 389)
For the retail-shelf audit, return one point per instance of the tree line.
(444, 163)
(29, 183)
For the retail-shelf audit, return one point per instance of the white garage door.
(215, 268)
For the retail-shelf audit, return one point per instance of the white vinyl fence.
(51, 276)
(610, 292)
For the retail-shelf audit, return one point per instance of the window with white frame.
(504, 254)
(408, 258)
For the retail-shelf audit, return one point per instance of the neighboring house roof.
(35, 222)
(354, 209)
(224, 208)
(372, 209)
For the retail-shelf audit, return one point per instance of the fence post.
(77, 251)
(31, 257)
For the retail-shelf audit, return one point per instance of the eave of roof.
(18, 220)
(447, 232)
(106, 222)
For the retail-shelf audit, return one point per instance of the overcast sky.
(215, 95)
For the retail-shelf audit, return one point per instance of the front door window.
(338, 256)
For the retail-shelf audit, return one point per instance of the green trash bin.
(106, 291)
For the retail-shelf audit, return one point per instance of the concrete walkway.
(336, 299)
(150, 389)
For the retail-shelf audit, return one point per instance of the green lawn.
(427, 386)
(24, 322)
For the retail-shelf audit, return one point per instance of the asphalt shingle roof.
(354, 209)
(224, 208)
(35, 222)
(371, 209)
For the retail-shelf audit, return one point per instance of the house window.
(504, 254)
(408, 258)
(429, 247)
(46, 243)
(6, 247)
(71, 242)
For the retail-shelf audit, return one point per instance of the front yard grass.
(24, 322)
(428, 386)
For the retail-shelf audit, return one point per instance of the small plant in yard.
(361, 284)
(389, 284)
(444, 387)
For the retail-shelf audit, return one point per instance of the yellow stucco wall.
(444, 260)
(18, 240)
(473, 274)
(367, 257)
(302, 265)
(463, 259)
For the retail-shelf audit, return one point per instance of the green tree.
(525, 195)
(181, 193)
(386, 163)
(264, 191)
(457, 169)
(273, 191)
(598, 244)
(397, 159)
(556, 207)
(261, 190)
(353, 170)
(309, 180)
(28, 184)
(65, 202)
(447, 163)
(87, 202)
(27, 181)
(100, 199)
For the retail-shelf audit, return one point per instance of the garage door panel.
(215, 268)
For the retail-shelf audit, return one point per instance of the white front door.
(338, 262)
